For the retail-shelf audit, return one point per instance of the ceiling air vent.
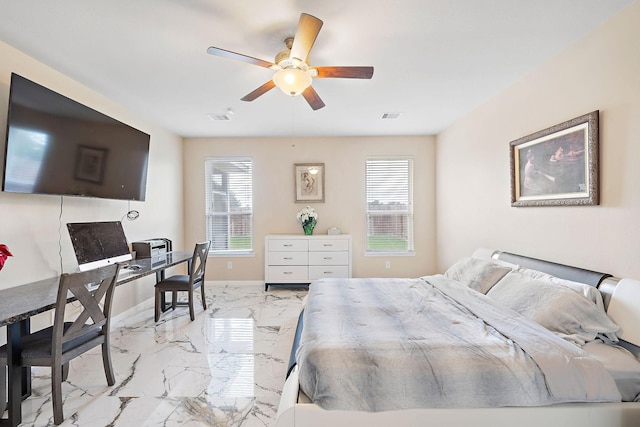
(390, 115)
(226, 116)
(218, 117)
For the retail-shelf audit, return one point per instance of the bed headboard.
(624, 308)
(605, 282)
(567, 272)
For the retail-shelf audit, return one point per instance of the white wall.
(34, 226)
(600, 72)
(344, 207)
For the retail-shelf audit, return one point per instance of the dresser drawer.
(288, 245)
(328, 271)
(328, 245)
(288, 258)
(328, 258)
(300, 259)
(290, 274)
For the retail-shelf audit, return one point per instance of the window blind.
(229, 204)
(389, 199)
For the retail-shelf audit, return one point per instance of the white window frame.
(409, 251)
(209, 165)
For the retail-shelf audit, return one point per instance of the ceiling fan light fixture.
(292, 81)
(292, 73)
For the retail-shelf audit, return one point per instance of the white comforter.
(385, 344)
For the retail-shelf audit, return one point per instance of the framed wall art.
(309, 179)
(557, 166)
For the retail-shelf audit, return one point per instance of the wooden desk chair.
(56, 345)
(184, 282)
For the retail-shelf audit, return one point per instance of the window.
(229, 204)
(389, 187)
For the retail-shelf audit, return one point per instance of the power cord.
(131, 215)
(60, 233)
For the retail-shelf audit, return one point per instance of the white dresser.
(293, 259)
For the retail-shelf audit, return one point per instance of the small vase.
(308, 227)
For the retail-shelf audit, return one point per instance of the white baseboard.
(236, 282)
(146, 304)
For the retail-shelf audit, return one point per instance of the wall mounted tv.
(55, 145)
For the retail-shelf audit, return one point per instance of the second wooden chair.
(184, 283)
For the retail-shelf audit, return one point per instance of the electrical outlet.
(387, 264)
(229, 265)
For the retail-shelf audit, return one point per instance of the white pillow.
(590, 292)
(478, 274)
(557, 308)
(620, 363)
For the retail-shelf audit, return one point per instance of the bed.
(498, 339)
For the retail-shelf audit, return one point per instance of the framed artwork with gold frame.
(557, 166)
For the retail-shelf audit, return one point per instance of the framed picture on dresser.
(309, 182)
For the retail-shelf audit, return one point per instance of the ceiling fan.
(292, 72)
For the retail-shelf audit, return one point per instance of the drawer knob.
(288, 246)
(288, 272)
(328, 244)
(328, 272)
(288, 257)
(328, 257)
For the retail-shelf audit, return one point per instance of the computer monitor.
(97, 244)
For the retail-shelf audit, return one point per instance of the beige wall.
(33, 226)
(275, 209)
(600, 72)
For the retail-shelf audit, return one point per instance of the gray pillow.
(478, 274)
(557, 308)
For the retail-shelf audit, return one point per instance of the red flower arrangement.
(4, 254)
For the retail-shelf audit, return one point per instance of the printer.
(151, 248)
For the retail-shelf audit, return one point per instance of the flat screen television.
(97, 244)
(55, 145)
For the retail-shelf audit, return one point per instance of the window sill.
(388, 254)
(232, 254)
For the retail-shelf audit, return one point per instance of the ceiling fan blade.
(260, 91)
(238, 56)
(308, 29)
(345, 72)
(313, 98)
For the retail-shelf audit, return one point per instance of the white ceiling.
(435, 60)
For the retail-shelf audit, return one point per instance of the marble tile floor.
(226, 368)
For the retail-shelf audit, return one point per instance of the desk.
(19, 303)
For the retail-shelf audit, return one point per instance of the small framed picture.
(557, 166)
(90, 163)
(309, 179)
